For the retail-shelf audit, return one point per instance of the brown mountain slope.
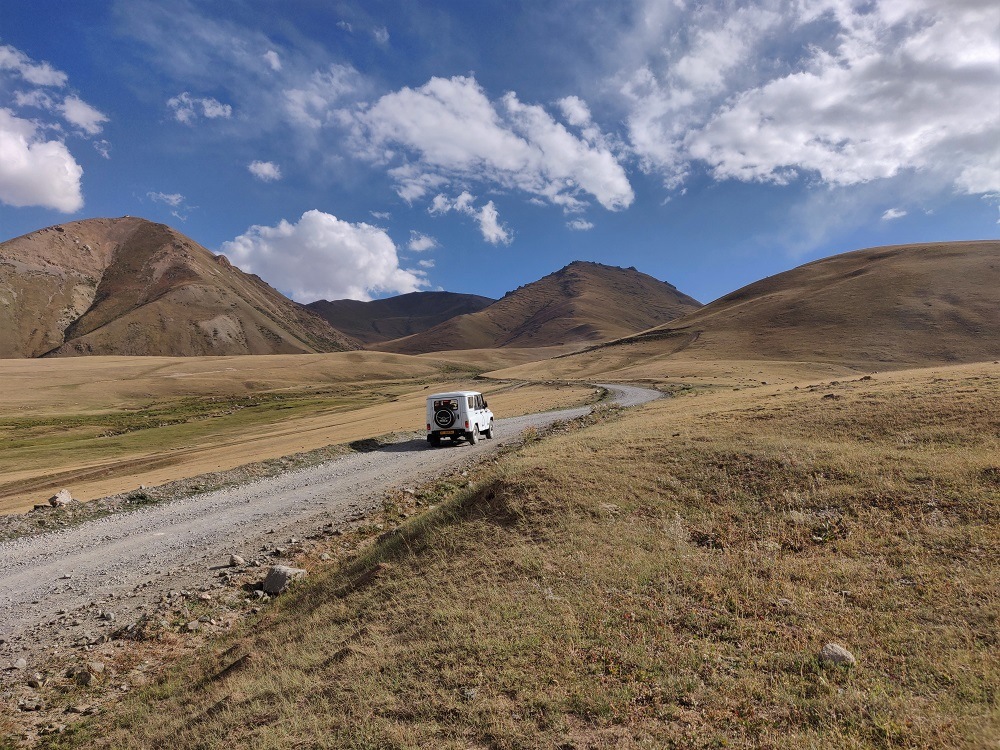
(583, 302)
(881, 308)
(129, 286)
(395, 317)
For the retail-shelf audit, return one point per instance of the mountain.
(395, 317)
(583, 302)
(880, 308)
(129, 286)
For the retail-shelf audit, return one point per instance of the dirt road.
(68, 587)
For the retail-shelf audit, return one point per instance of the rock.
(61, 498)
(205, 597)
(37, 680)
(19, 664)
(833, 653)
(325, 556)
(84, 678)
(193, 626)
(280, 576)
(95, 667)
(108, 616)
(235, 561)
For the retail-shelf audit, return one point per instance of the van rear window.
(446, 403)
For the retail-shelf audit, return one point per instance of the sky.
(362, 149)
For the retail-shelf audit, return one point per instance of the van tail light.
(466, 424)
(428, 426)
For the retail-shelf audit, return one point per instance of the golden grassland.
(663, 578)
(103, 425)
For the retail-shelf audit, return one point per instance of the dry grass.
(104, 425)
(664, 579)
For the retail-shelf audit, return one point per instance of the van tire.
(489, 431)
(434, 440)
(474, 435)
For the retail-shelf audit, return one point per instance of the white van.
(458, 415)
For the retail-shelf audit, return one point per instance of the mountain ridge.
(132, 286)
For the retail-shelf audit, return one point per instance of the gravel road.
(65, 580)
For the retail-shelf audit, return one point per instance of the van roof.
(454, 394)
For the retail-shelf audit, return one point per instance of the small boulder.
(280, 576)
(833, 653)
(61, 498)
(235, 561)
(19, 664)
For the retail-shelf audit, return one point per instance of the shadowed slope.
(129, 286)
(583, 302)
(395, 317)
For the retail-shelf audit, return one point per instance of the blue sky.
(363, 149)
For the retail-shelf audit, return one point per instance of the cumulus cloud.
(893, 213)
(837, 92)
(427, 263)
(35, 171)
(579, 225)
(486, 216)
(316, 101)
(273, 60)
(448, 131)
(82, 115)
(265, 171)
(575, 110)
(420, 242)
(38, 74)
(323, 257)
(187, 108)
(381, 34)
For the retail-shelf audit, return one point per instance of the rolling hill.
(129, 286)
(396, 317)
(879, 308)
(581, 303)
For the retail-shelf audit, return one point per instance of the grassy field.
(663, 578)
(103, 425)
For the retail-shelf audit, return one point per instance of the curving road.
(64, 579)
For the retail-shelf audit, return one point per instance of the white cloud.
(381, 34)
(35, 171)
(345, 26)
(448, 131)
(420, 242)
(834, 91)
(579, 225)
(323, 257)
(266, 171)
(173, 200)
(893, 213)
(486, 216)
(381, 215)
(315, 102)
(38, 74)
(427, 263)
(186, 108)
(103, 147)
(82, 115)
(575, 110)
(273, 60)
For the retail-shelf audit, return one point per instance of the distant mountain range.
(581, 303)
(129, 286)
(395, 317)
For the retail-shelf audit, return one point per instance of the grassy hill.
(664, 578)
(879, 308)
(581, 303)
(129, 286)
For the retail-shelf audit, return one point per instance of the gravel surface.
(70, 586)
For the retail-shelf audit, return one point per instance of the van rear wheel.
(434, 440)
(474, 435)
